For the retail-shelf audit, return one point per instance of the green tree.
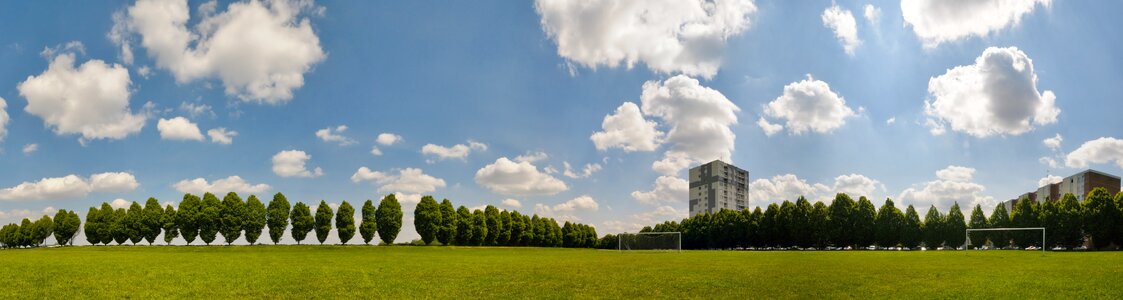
(1101, 217)
(66, 226)
(120, 226)
(769, 226)
(954, 227)
(978, 221)
(464, 226)
(889, 224)
(911, 232)
(1119, 222)
(427, 219)
(152, 219)
(389, 217)
(864, 218)
(27, 233)
(345, 222)
(369, 225)
(1069, 221)
(93, 224)
(518, 228)
(800, 228)
(1025, 215)
(447, 231)
(302, 221)
(187, 218)
(504, 228)
(210, 218)
(933, 228)
(323, 221)
(1049, 214)
(108, 220)
(232, 217)
(479, 228)
(841, 222)
(999, 219)
(171, 228)
(494, 225)
(277, 217)
(43, 229)
(134, 223)
(255, 218)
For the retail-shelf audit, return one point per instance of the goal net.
(650, 241)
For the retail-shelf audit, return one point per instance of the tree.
(345, 223)
(26, 236)
(134, 223)
(93, 224)
(864, 223)
(518, 228)
(1100, 217)
(888, 224)
(209, 218)
(800, 227)
(1049, 215)
(1025, 215)
(66, 225)
(479, 228)
(528, 229)
(171, 229)
(187, 218)
(323, 221)
(232, 217)
(389, 217)
(44, 227)
(1069, 221)
(999, 219)
(769, 226)
(933, 228)
(841, 222)
(504, 228)
(978, 221)
(107, 220)
(427, 219)
(152, 219)
(464, 229)
(447, 231)
(119, 227)
(255, 219)
(277, 217)
(954, 227)
(1119, 222)
(493, 225)
(369, 225)
(302, 221)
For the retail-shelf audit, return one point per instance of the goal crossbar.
(967, 234)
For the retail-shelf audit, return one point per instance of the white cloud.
(196, 110)
(179, 129)
(388, 139)
(939, 21)
(375, 151)
(507, 177)
(70, 187)
(699, 118)
(408, 201)
(659, 214)
(408, 180)
(1097, 151)
(565, 211)
(17, 215)
(532, 157)
(872, 14)
(953, 184)
(1050, 179)
(784, 187)
(222, 136)
(668, 190)
(120, 203)
(1048, 161)
(335, 135)
(513, 203)
(199, 186)
(290, 163)
(856, 185)
(28, 149)
(92, 100)
(769, 128)
(809, 105)
(996, 95)
(458, 151)
(586, 171)
(3, 118)
(685, 36)
(260, 50)
(1054, 142)
(845, 28)
(890, 120)
(628, 130)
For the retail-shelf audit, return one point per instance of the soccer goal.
(650, 241)
(968, 231)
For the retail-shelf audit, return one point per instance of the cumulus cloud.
(1097, 151)
(335, 135)
(17, 215)
(291, 163)
(808, 105)
(659, 214)
(938, 21)
(408, 180)
(1054, 142)
(222, 136)
(180, 129)
(260, 50)
(769, 128)
(199, 186)
(668, 36)
(585, 171)
(856, 185)
(565, 211)
(956, 173)
(512, 203)
(785, 187)
(388, 139)
(120, 203)
(1050, 179)
(70, 187)
(699, 119)
(1048, 161)
(872, 14)
(953, 184)
(3, 119)
(532, 157)
(628, 130)
(28, 149)
(458, 151)
(375, 151)
(91, 100)
(507, 177)
(995, 96)
(667, 189)
(845, 28)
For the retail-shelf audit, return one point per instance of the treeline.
(846, 223)
(32, 234)
(492, 227)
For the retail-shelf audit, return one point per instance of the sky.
(585, 111)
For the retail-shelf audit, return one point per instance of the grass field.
(458, 272)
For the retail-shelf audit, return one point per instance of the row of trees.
(32, 234)
(492, 227)
(857, 224)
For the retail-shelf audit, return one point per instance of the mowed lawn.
(305, 272)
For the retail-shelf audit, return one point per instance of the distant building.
(718, 185)
(1078, 184)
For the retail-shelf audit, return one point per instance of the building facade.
(1078, 184)
(716, 185)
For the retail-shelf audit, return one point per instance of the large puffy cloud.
(699, 118)
(565, 211)
(179, 128)
(235, 184)
(507, 177)
(845, 28)
(1050, 179)
(940, 21)
(3, 119)
(790, 187)
(458, 151)
(408, 180)
(856, 185)
(996, 95)
(686, 36)
(91, 100)
(953, 184)
(291, 163)
(807, 105)
(70, 187)
(1097, 151)
(260, 50)
(668, 189)
(628, 130)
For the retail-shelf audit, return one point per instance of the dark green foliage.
(841, 211)
(1026, 215)
(889, 224)
(44, 227)
(369, 225)
(107, 231)
(232, 217)
(323, 221)
(171, 228)
(66, 226)
(447, 231)
(187, 218)
(277, 217)
(769, 227)
(464, 227)
(864, 226)
(119, 228)
(1119, 222)
(345, 223)
(427, 219)
(494, 225)
(978, 221)
(911, 229)
(1101, 217)
(933, 228)
(527, 238)
(999, 218)
(302, 221)
(93, 224)
(955, 227)
(1068, 222)
(255, 218)
(479, 228)
(210, 218)
(134, 223)
(504, 228)
(152, 219)
(801, 229)
(389, 217)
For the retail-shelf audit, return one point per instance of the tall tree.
(1049, 215)
(841, 221)
(302, 221)
(345, 223)
(256, 216)
(999, 219)
(134, 223)
(864, 227)
(232, 217)
(152, 219)
(277, 217)
(801, 228)
(516, 225)
(66, 225)
(43, 229)
(504, 228)
(769, 226)
(479, 228)
(120, 226)
(427, 219)
(464, 228)
(1069, 220)
(389, 217)
(170, 226)
(1119, 222)
(1101, 217)
(209, 218)
(1025, 215)
(323, 221)
(447, 230)
(187, 218)
(493, 225)
(369, 225)
(107, 228)
(954, 227)
(93, 223)
(933, 228)
(978, 221)
(888, 224)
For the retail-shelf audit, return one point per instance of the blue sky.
(504, 79)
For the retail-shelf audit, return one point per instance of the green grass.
(457, 272)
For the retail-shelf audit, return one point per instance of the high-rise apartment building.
(718, 185)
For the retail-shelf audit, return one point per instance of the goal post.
(967, 234)
(650, 241)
